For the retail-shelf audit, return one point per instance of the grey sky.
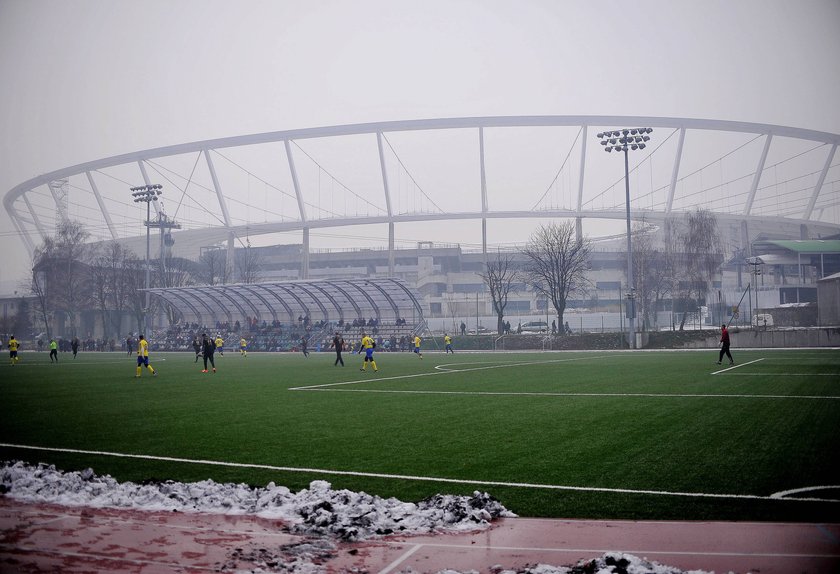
(89, 79)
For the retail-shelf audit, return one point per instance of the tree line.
(69, 274)
(681, 266)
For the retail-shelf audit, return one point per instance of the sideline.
(772, 497)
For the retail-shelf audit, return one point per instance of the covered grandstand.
(276, 316)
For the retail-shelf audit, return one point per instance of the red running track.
(53, 538)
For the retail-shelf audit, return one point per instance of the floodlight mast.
(147, 194)
(624, 140)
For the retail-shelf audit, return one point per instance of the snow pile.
(329, 515)
(318, 510)
(609, 563)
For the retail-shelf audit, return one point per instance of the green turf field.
(642, 435)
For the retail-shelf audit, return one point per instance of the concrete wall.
(828, 337)
(828, 295)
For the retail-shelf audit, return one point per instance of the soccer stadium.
(384, 237)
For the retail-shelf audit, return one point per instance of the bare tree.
(500, 276)
(653, 274)
(557, 264)
(38, 286)
(133, 280)
(703, 252)
(23, 317)
(212, 266)
(249, 265)
(180, 272)
(111, 278)
(61, 268)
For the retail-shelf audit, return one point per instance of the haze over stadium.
(101, 82)
(379, 154)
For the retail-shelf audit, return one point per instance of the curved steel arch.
(265, 302)
(187, 297)
(417, 307)
(278, 298)
(367, 296)
(183, 301)
(286, 289)
(337, 286)
(584, 121)
(303, 287)
(387, 296)
(224, 293)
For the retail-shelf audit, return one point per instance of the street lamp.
(146, 194)
(755, 271)
(625, 140)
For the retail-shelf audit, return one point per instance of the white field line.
(770, 374)
(444, 371)
(738, 366)
(549, 394)
(422, 478)
(784, 375)
(447, 369)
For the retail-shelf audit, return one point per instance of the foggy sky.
(89, 79)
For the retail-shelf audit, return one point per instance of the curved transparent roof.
(330, 300)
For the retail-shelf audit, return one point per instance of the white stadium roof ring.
(474, 168)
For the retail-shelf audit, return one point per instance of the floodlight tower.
(625, 140)
(147, 194)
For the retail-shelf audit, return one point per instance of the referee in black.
(338, 343)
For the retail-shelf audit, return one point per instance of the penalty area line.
(441, 371)
(435, 479)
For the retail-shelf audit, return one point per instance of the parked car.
(535, 327)
(480, 331)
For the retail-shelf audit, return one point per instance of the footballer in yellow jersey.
(417, 341)
(220, 345)
(13, 350)
(368, 345)
(447, 341)
(243, 347)
(143, 357)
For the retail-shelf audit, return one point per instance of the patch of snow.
(320, 510)
(330, 515)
